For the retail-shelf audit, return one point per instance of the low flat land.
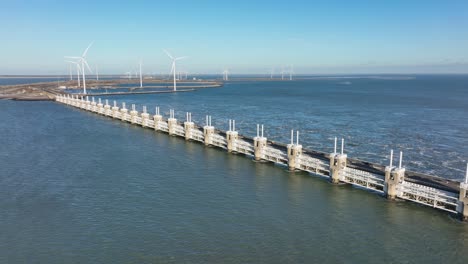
(29, 92)
(47, 90)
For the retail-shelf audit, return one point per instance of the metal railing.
(364, 179)
(428, 196)
(313, 165)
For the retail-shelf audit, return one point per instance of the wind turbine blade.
(87, 66)
(86, 50)
(168, 54)
(69, 57)
(181, 58)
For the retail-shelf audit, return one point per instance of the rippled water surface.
(76, 187)
(426, 117)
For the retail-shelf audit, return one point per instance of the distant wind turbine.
(78, 70)
(83, 62)
(129, 75)
(173, 69)
(226, 75)
(291, 71)
(141, 77)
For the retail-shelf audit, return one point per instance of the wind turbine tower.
(83, 62)
(173, 70)
(226, 75)
(291, 71)
(78, 70)
(141, 77)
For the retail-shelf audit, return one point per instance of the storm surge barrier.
(393, 182)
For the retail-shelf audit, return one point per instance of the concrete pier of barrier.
(232, 136)
(115, 110)
(171, 123)
(294, 152)
(394, 182)
(133, 115)
(107, 109)
(208, 132)
(188, 126)
(260, 143)
(123, 112)
(144, 117)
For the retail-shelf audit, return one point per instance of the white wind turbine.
(78, 70)
(141, 77)
(291, 71)
(173, 69)
(129, 75)
(225, 75)
(83, 62)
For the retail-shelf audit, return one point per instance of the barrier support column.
(260, 143)
(157, 118)
(171, 123)
(208, 131)
(188, 126)
(294, 152)
(338, 163)
(123, 112)
(232, 136)
(115, 110)
(82, 103)
(462, 207)
(144, 117)
(88, 104)
(394, 176)
(133, 115)
(93, 105)
(107, 108)
(100, 107)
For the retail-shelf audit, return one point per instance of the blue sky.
(244, 36)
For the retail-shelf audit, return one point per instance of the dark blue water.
(424, 116)
(76, 187)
